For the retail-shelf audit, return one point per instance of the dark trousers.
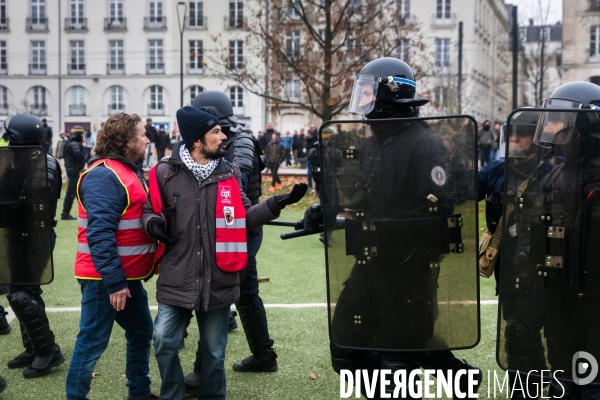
(288, 157)
(160, 153)
(485, 153)
(73, 176)
(274, 167)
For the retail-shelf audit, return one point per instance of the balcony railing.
(195, 69)
(4, 25)
(38, 109)
(155, 68)
(77, 109)
(115, 69)
(115, 108)
(115, 24)
(234, 23)
(36, 24)
(156, 109)
(76, 24)
(3, 68)
(76, 69)
(198, 23)
(155, 23)
(37, 69)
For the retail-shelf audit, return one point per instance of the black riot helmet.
(385, 87)
(556, 127)
(23, 129)
(218, 104)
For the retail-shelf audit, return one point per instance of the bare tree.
(307, 52)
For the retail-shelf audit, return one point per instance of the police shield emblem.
(550, 287)
(25, 222)
(400, 221)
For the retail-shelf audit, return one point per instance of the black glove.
(157, 229)
(297, 193)
(313, 218)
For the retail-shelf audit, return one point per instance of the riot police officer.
(393, 193)
(244, 152)
(29, 264)
(565, 226)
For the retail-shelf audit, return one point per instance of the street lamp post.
(181, 5)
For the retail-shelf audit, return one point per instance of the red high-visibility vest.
(231, 250)
(135, 248)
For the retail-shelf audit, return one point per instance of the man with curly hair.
(114, 254)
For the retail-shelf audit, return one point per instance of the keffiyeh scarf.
(200, 171)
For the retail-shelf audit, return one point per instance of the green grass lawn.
(296, 269)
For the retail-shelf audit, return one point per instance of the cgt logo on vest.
(226, 194)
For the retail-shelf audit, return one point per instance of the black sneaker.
(2, 384)
(192, 381)
(266, 362)
(42, 365)
(5, 327)
(67, 217)
(232, 322)
(22, 360)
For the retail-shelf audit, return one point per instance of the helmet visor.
(517, 139)
(364, 94)
(555, 127)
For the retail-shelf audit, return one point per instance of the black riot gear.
(218, 104)
(23, 129)
(383, 88)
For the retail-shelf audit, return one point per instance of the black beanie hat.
(194, 123)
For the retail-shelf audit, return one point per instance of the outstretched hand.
(297, 193)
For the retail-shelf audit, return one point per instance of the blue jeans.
(170, 324)
(95, 326)
(309, 174)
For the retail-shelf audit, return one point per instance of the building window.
(594, 5)
(156, 100)
(77, 106)
(76, 21)
(3, 19)
(293, 8)
(595, 41)
(442, 53)
(116, 65)
(38, 106)
(117, 104)
(38, 58)
(292, 41)
(402, 50)
(403, 8)
(196, 14)
(3, 60)
(3, 100)
(292, 89)
(195, 91)
(195, 66)
(155, 62)
(38, 13)
(77, 65)
(236, 14)
(156, 11)
(443, 9)
(353, 46)
(116, 13)
(236, 94)
(236, 54)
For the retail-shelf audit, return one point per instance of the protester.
(151, 135)
(311, 138)
(288, 142)
(47, 137)
(74, 162)
(208, 235)
(274, 153)
(485, 138)
(114, 255)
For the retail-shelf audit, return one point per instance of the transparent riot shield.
(400, 218)
(25, 223)
(550, 277)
